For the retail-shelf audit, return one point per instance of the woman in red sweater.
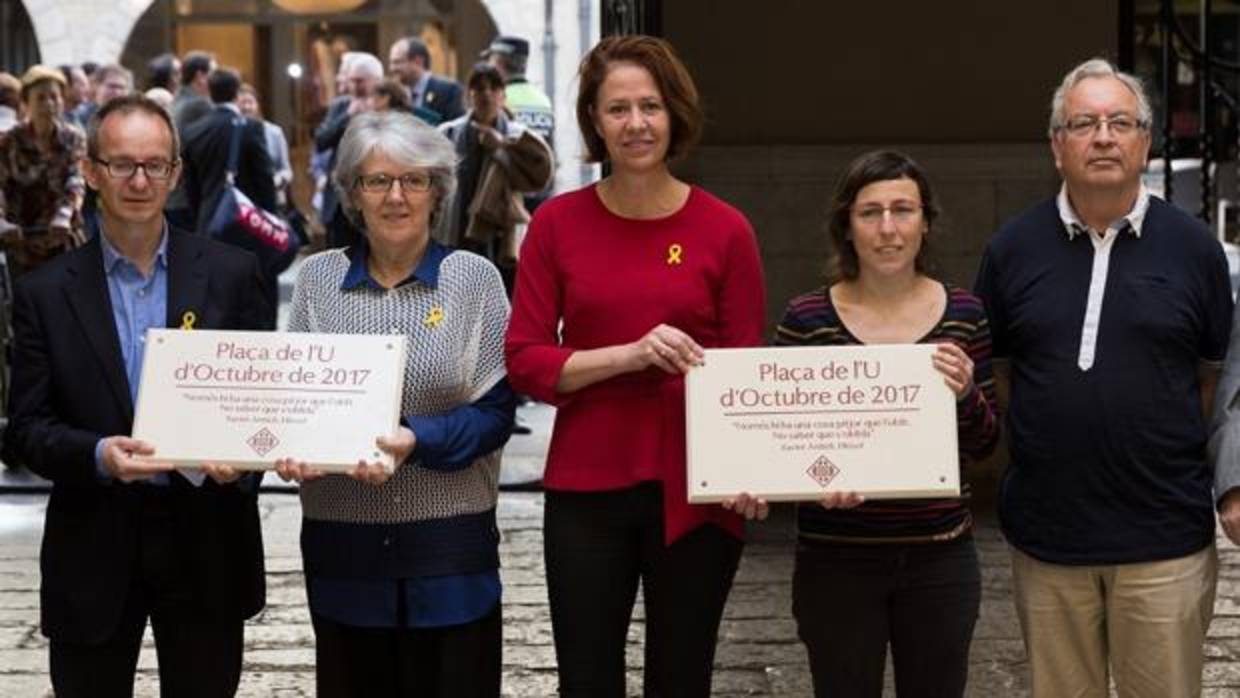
(620, 286)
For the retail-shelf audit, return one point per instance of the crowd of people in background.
(45, 208)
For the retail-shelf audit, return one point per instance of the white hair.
(403, 138)
(362, 62)
(1097, 68)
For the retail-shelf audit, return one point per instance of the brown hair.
(127, 104)
(397, 94)
(670, 75)
(871, 167)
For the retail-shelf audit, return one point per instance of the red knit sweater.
(588, 279)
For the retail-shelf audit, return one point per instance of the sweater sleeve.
(742, 293)
(534, 353)
(977, 420)
(453, 440)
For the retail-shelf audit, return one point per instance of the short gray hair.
(360, 61)
(1098, 68)
(403, 138)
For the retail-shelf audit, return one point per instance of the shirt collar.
(230, 106)
(419, 87)
(427, 271)
(113, 256)
(1132, 221)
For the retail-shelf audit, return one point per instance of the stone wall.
(785, 192)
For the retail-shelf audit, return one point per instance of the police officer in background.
(530, 106)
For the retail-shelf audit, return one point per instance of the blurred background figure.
(161, 97)
(528, 104)
(410, 62)
(391, 94)
(41, 187)
(282, 170)
(499, 160)
(205, 152)
(363, 72)
(277, 143)
(106, 84)
(192, 102)
(164, 71)
(77, 93)
(193, 98)
(10, 101)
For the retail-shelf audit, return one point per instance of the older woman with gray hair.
(402, 569)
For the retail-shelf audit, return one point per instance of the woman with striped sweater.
(902, 573)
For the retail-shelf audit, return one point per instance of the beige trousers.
(1145, 622)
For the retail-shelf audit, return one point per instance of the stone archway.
(74, 31)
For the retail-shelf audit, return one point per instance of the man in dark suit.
(126, 539)
(362, 72)
(205, 154)
(410, 61)
(190, 104)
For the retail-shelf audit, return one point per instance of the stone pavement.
(758, 652)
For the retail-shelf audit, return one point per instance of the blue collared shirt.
(447, 441)
(139, 302)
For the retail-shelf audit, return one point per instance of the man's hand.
(118, 456)
(1229, 514)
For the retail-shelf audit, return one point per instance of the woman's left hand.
(399, 446)
(956, 367)
(747, 506)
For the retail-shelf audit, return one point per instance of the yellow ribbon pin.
(434, 317)
(673, 254)
(188, 320)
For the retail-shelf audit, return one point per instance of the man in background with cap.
(529, 105)
(41, 188)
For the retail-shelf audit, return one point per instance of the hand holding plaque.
(246, 400)
(798, 423)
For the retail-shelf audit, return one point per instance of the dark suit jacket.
(326, 137)
(204, 148)
(445, 97)
(69, 390)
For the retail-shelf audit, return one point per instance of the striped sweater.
(811, 320)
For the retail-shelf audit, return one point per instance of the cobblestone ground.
(758, 652)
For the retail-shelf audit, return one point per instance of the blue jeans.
(851, 601)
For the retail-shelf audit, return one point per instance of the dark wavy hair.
(675, 84)
(871, 167)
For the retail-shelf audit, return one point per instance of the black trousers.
(199, 653)
(598, 546)
(459, 661)
(852, 601)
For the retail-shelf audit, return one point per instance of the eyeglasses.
(901, 212)
(382, 183)
(124, 169)
(1119, 125)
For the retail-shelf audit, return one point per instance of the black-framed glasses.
(1088, 124)
(382, 183)
(124, 169)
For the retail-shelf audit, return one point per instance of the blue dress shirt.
(139, 302)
